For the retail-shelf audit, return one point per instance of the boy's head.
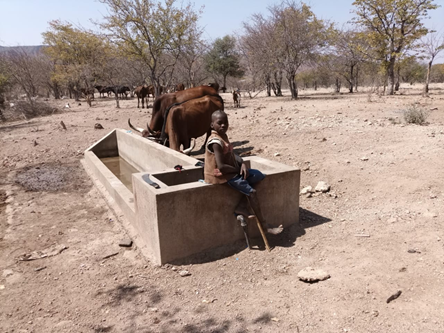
(219, 122)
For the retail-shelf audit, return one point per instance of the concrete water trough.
(183, 216)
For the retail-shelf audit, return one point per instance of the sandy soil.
(376, 232)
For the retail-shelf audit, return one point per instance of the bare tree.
(348, 51)
(431, 45)
(299, 36)
(23, 71)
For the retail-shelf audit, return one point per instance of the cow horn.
(138, 129)
(188, 150)
(150, 130)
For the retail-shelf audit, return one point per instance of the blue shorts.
(245, 185)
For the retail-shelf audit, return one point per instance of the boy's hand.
(244, 171)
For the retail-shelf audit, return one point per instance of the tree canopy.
(151, 32)
(392, 27)
(223, 59)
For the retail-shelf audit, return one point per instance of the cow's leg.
(138, 99)
(143, 102)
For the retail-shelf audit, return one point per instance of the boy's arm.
(223, 168)
(243, 168)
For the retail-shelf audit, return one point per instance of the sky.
(23, 21)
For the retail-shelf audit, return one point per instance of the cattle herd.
(179, 116)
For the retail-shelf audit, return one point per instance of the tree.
(23, 70)
(299, 36)
(223, 59)
(437, 73)
(78, 56)
(259, 51)
(348, 53)
(4, 83)
(431, 45)
(393, 26)
(151, 32)
(191, 69)
(411, 70)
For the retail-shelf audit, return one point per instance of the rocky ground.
(376, 232)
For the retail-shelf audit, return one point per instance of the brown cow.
(236, 99)
(162, 103)
(141, 92)
(188, 120)
(191, 120)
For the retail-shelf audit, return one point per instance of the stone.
(184, 273)
(7, 272)
(310, 274)
(392, 220)
(277, 154)
(126, 242)
(322, 187)
(364, 158)
(307, 189)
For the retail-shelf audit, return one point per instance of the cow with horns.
(160, 131)
(185, 121)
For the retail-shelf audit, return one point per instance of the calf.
(236, 99)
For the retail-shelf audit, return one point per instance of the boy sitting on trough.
(223, 166)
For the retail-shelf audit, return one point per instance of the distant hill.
(32, 49)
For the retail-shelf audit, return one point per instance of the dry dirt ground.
(377, 232)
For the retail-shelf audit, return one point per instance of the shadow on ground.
(18, 125)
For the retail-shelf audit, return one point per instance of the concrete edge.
(115, 187)
(118, 213)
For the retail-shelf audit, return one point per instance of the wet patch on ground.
(53, 178)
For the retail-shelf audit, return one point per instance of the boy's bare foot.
(274, 230)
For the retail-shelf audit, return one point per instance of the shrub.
(24, 110)
(415, 115)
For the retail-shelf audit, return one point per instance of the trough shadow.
(213, 254)
(287, 238)
(307, 219)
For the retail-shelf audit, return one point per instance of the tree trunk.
(398, 76)
(338, 85)
(350, 89)
(427, 82)
(274, 88)
(278, 82)
(316, 85)
(225, 81)
(116, 96)
(356, 79)
(292, 85)
(268, 84)
(391, 75)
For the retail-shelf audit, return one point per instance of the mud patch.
(53, 178)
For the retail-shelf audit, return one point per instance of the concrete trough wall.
(185, 216)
